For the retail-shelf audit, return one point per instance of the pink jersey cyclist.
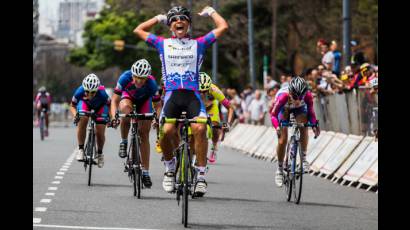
(283, 102)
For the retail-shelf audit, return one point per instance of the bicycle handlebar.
(182, 120)
(139, 116)
(287, 124)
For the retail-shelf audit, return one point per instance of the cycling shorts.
(102, 111)
(143, 106)
(180, 100)
(296, 111)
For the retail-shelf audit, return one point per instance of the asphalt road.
(241, 194)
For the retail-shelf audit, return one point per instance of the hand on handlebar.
(76, 119)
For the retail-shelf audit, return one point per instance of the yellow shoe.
(158, 147)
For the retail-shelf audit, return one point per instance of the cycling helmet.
(178, 10)
(205, 81)
(42, 89)
(374, 82)
(141, 68)
(298, 86)
(91, 82)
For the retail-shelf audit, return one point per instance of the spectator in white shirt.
(257, 109)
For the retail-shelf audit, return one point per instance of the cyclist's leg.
(101, 121)
(125, 107)
(301, 117)
(144, 127)
(81, 129)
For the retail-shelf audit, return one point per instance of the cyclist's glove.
(76, 118)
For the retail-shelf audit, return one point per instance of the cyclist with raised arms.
(181, 58)
(135, 86)
(213, 97)
(299, 101)
(90, 95)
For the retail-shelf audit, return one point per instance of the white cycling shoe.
(279, 178)
(169, 182)
(200, 188)
(306, 166)
(79, 154)
(100, 160)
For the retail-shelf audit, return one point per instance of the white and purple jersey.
(181, 59)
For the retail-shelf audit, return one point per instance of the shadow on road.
(225, 226)
(208, 198)
(111, 185)
(326, 205)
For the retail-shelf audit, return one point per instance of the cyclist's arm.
(277, 106)
(310, 109)
(142, 30)
(73, 110)
(221, 24)
(115, 100)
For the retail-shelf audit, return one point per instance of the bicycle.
(293, 165)
(132, 163)
(90, 148)
(184, 169)
(42, 123)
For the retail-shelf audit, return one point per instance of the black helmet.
(178, 10)
(298, 86)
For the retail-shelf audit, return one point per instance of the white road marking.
(36, 221)
(60, 173)
(52, 188)
(58, 177)
(63, 169)
(56, 182)
(40, 209)
(45, 200)
(85, 227)
(50, 193)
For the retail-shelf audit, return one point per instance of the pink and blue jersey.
(127, 88)
(281, 103)
(181, 59)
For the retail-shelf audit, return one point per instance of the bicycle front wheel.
(298, 178)
(90, 149)
(287, 174)
(185, 188)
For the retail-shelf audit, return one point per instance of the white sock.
(170, 165)
(201, 172)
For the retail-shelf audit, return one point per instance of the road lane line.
(50, 194)
(40, 209)
(36, 221)
(45, 200)
(85, 227)
(56, 182)
(52, 188)
(58, 177)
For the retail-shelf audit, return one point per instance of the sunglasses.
(178, 17)
(90, 92)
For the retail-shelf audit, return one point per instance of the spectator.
(247, 98)
(235, 100)
(358, 57)
(323, 84)
(269, 83)
(257, 109)
(282, 79)
(328, 58)
(310, 77)
(337, 58)
(361, 78)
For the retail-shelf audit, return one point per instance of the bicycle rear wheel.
(298, 178)
(41, 125)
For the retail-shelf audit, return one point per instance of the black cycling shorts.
(183, 100)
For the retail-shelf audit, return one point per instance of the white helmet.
(298, 86)
(91, 82)
(141, 68)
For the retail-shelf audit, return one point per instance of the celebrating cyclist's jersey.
(127, 89)
(284, 102)
(181, 59)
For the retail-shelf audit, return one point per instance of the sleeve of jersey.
(207, 40)
(37, 98)
(218, 95)
(279, 103)
(76, 97)
(121, 84)
(310, 108)
(155, 41)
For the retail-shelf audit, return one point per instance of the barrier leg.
(350, 183)
(359, 186)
